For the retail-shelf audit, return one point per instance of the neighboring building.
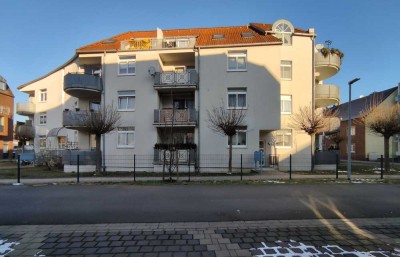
(6, 120)
(163, 77)
(364, 144)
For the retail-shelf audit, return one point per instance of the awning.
(57, 132)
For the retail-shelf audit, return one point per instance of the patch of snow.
(293, 248)
(6, 247)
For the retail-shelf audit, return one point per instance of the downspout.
(313, 96)
(198, 108)
(103, 96)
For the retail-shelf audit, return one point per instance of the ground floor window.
(126, 137)
(283, 138)
(42, 141)
(240, 139)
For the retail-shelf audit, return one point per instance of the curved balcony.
(328, 66)
(25, 131)
(25, 109)
(83, 85)
(326, 95)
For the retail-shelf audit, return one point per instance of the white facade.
(269, 80)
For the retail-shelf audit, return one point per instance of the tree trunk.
(386, 153)
(312, 152)
(98, 154)
(230, 155)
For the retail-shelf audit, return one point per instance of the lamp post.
(349, 131)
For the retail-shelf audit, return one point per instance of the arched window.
(283, 29)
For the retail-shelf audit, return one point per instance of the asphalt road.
(126, 203)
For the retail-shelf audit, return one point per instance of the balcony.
(83, 85)
(154, 43)
(178, 117)
(177, 80)
(326, 95)
(328, 66)
(26, 109)
(74, 119)
(25, 131)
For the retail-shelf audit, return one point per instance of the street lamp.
(349, 131)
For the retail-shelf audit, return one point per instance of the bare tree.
(382, 121)
(312, 122)
(335, 138)
(100, 122)
(226, 122)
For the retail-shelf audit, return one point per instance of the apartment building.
(6, 120)
(163, 79)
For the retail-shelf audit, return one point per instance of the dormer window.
(218, 36)
(283, 30)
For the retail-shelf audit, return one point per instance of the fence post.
(290, 167)
(77, 168)
(134, 168)
(381, 166)
(19, 169)
(189, 165)
(241, 167)
(337, 165)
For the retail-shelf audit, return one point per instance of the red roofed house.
(6, 120)
(163, 82)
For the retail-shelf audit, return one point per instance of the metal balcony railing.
(154, 43)
(167, 79)
(82, 85)
(175, 116)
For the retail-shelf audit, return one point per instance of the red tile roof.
(232, 36)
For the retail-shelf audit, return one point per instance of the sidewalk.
(356, 237)
(266, 176)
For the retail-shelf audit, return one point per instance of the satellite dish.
(319, 46)
(151, 71)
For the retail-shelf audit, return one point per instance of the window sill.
(123, 75)
(238, 146)
(125, 147)
(286, 79)
(126, 110)
(237, 70)
(234, 108)
(286, 113)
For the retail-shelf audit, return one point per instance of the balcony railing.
(327, 66)
(26, 108)
(4, 110)
(175, 117)
(83, 85)
(154, 43)
(326, 95)
(183, 155)
(74, 119)
(181, 79)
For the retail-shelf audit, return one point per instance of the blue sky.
(38, 36)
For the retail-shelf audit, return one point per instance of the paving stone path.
(302, 238)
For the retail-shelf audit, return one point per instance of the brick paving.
(356, 237)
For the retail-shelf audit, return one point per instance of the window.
(43, 118)
(353, 130)
(286, 70)
(126, 137)
(42, 141)
(284, 138)
(283, 30)
(127, 65)
(353, 148)
(1, 124)
(237, 61)
(240, 139)
(237, 98)
(126, 100)
(43, 95)
(286, 104)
